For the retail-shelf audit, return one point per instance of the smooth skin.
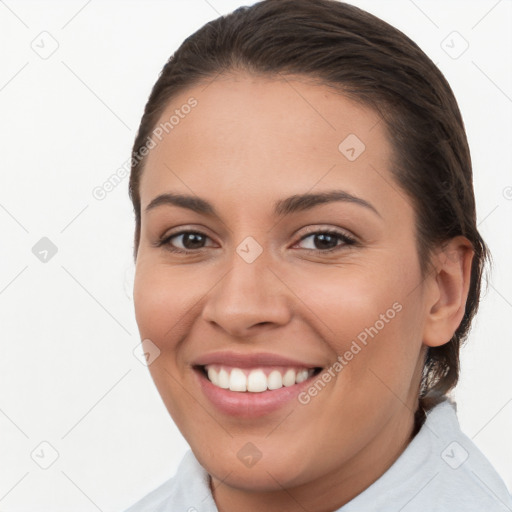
(249, 142)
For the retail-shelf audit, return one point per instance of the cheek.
(368, 316)
(161, 300)
(346, 300)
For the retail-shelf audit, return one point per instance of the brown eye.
(326, 240)
(185, 241)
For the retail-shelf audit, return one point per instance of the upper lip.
(250, 360)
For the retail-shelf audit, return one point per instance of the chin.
(270, 473)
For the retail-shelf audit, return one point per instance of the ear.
(447, 291)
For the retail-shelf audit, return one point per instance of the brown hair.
(375, 64)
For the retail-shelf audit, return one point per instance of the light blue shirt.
(441, 470)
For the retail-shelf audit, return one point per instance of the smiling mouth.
(257, 379)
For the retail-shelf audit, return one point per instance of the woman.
(307, 267)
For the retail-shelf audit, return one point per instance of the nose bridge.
(246, 278)
(247, 283)
(249, 293)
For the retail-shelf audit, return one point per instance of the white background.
(68, 373)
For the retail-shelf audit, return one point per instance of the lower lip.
(247, 404)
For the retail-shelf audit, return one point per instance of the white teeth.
(237, 380)
(213, 376)
(223, 379)
(256, 380)
(275, 380)
(289, 378)
(301, 376)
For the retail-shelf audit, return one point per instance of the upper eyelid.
(310, 231)
(335, 230)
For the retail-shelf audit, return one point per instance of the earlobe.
(446, 302)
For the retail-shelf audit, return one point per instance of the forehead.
(265, 137)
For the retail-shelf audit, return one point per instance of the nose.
(249, 298)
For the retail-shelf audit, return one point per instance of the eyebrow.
(282, 207)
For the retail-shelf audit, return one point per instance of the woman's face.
(270, 289)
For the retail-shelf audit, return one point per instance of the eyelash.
(347, 241)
